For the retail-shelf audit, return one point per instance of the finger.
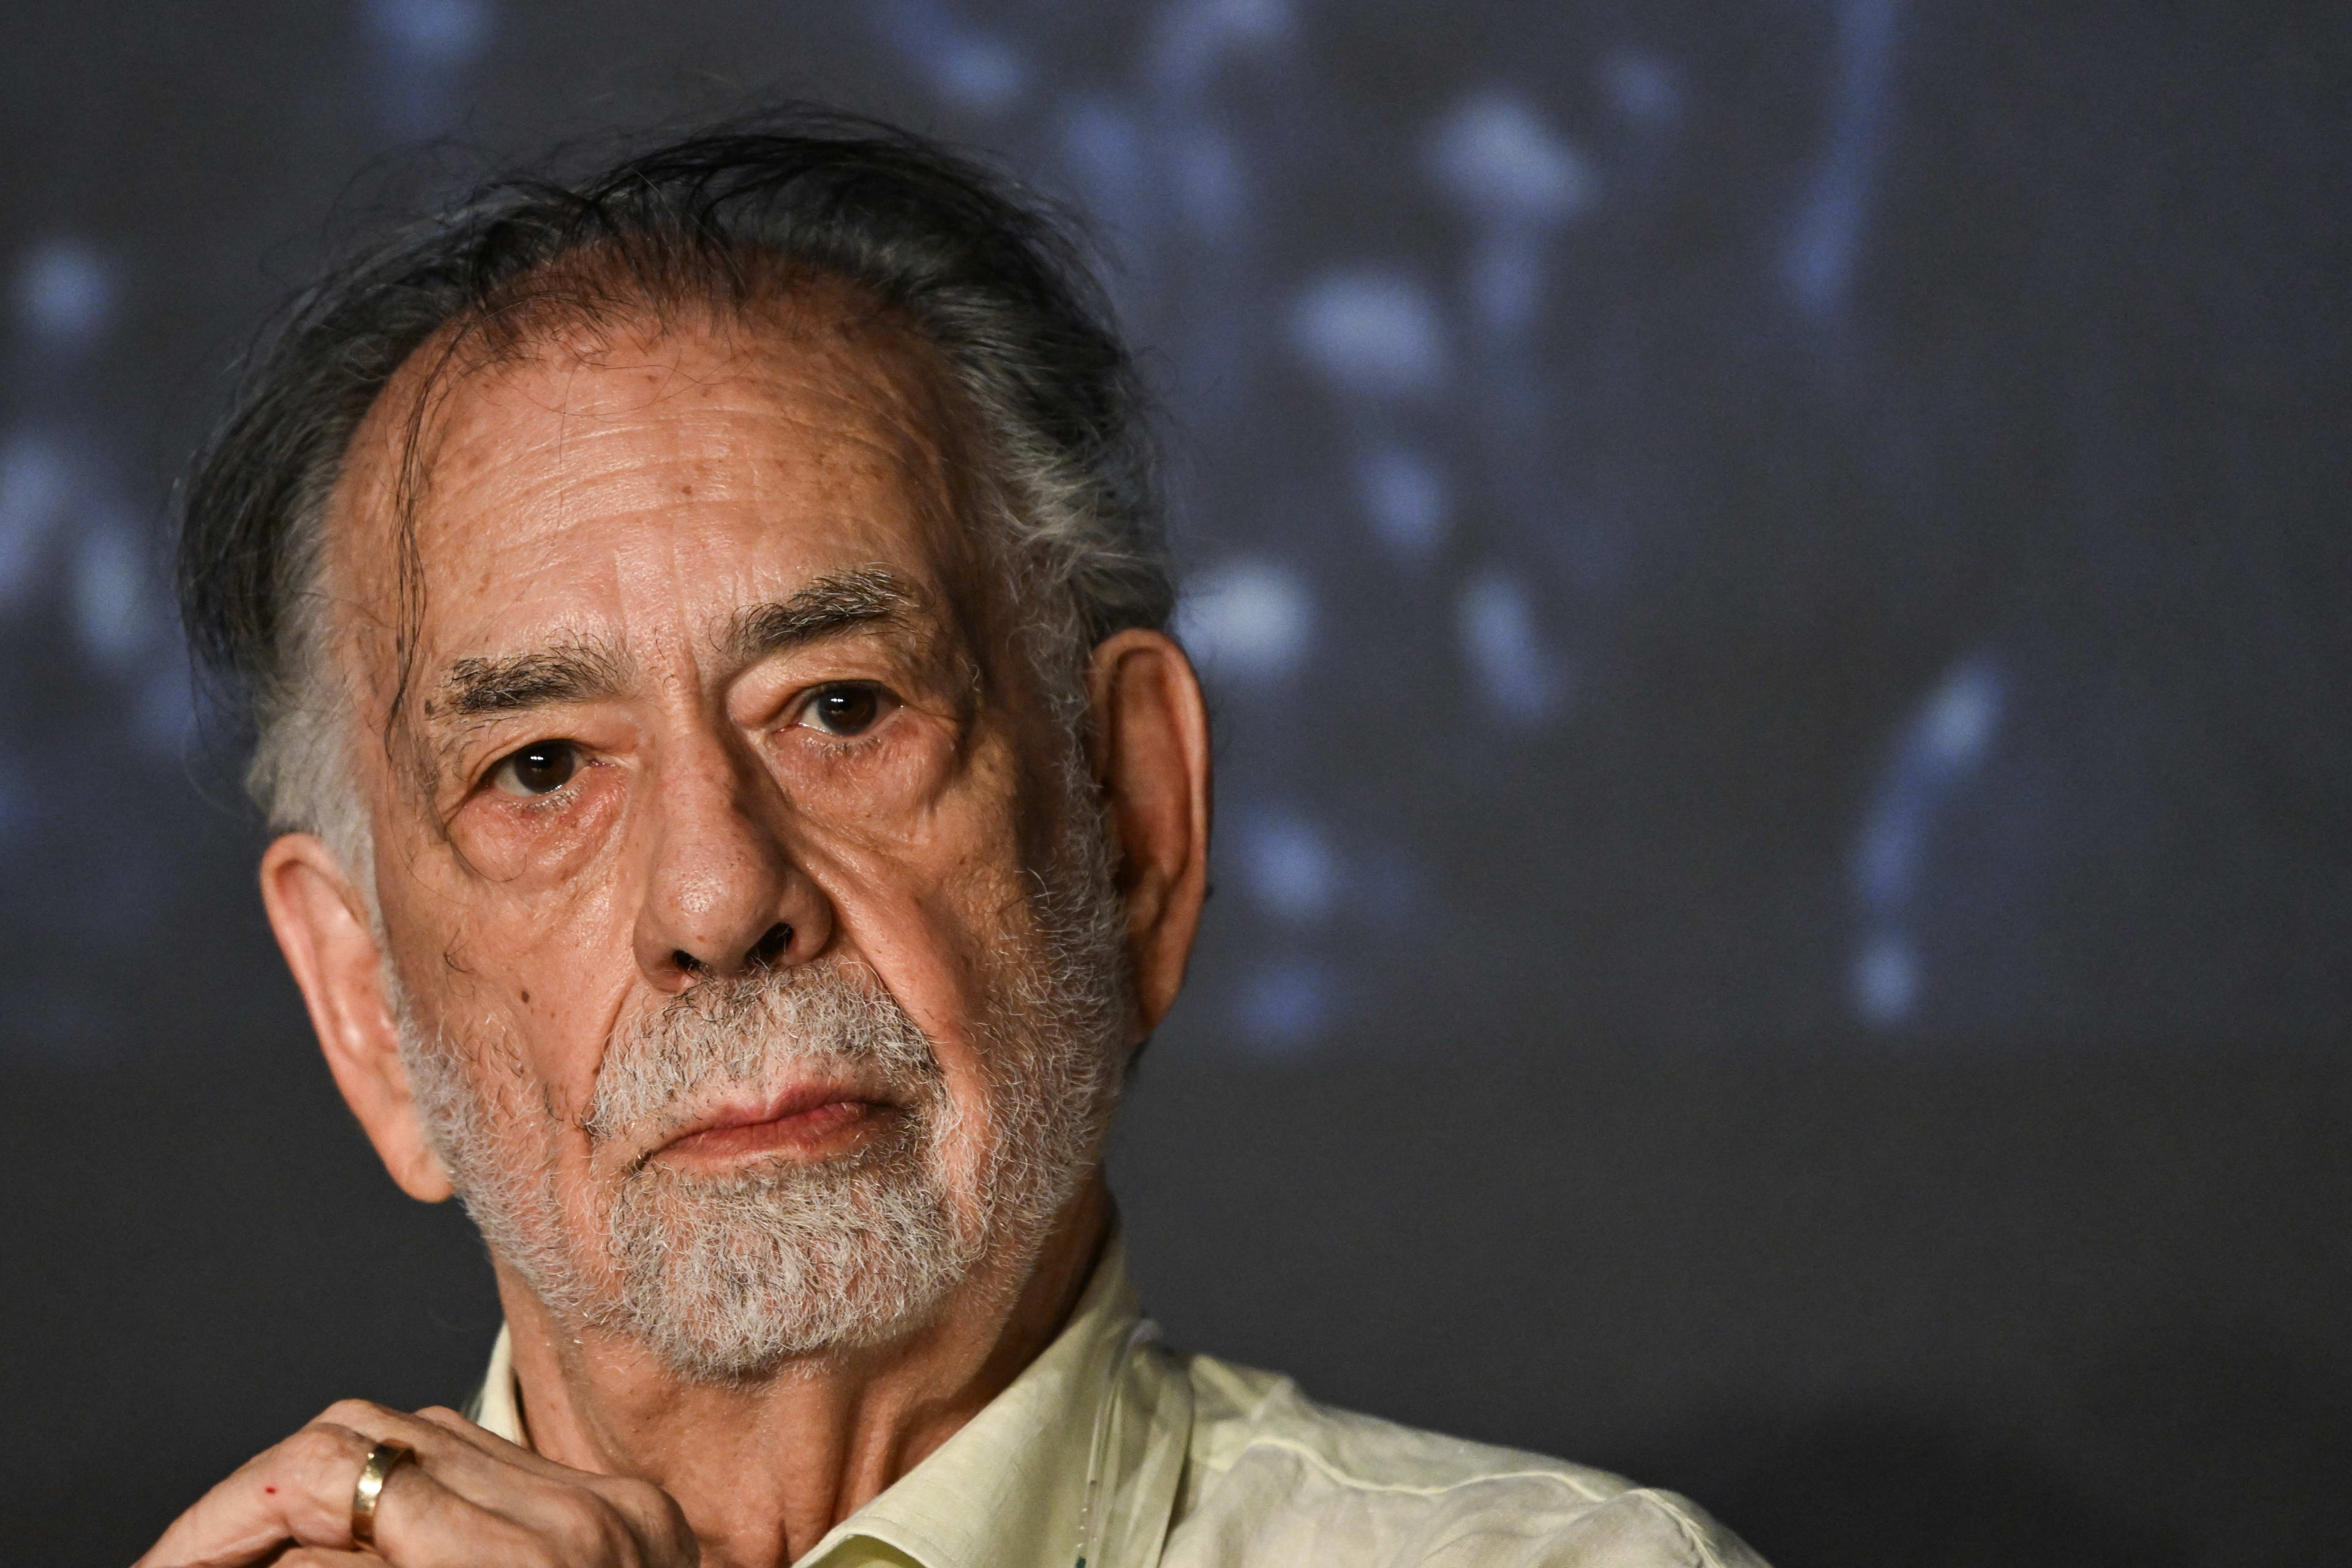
(325, 1557)
(472, 1497)
(421, 1522)
(275, 1497)
(429, 1524)
(458, 1485)
(459, 1455)
(466, 1498)
(651, 1512)
(477, 1465)
(298, 1490)
(489, 1443)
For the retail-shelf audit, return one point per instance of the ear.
(325, 936)
(1151, 756)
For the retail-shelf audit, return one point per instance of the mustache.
(756, 1029)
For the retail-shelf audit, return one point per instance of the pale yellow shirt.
(1112, 1444)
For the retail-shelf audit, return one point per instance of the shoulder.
(1275, 1476)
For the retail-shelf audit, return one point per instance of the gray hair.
(986, 275)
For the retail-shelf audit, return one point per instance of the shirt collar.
(1010, 1488)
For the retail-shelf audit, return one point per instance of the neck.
(764, 1468)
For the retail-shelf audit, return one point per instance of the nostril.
(772, 946)
(687, 963)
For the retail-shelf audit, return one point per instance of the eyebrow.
(476, 688)
(831, 607)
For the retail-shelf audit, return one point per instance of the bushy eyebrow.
(830, 607)
(477, 688)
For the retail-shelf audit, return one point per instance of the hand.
(467, 1497)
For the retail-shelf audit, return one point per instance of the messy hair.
(990, 280)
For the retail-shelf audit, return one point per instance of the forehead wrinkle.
(841, 339)
(864, 396)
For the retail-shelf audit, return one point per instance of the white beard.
(727, 1278)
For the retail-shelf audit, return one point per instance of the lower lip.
(819, 1131)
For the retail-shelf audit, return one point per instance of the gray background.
(1774, 585)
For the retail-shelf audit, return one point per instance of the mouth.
(809, 1122)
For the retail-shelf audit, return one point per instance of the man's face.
(759, 975)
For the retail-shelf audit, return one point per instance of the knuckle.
(680, 1546)
(320, 1444)
(587, 1529)
(677, 1536)
(658, 1522)
(353, 1412)
(638, 1497)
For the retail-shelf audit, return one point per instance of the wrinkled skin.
(615, 507)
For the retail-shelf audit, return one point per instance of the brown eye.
(844, 711)
(540, 768)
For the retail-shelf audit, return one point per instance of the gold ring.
(382, 1460)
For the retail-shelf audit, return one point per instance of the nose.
(723, 893)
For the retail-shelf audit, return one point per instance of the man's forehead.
(822, 385)
(785, 382)
(691, 466)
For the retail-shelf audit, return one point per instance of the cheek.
(539, 909)
(542, 956)
(531, 1000)
(917, 847)
(945, 936)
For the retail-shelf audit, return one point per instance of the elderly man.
(739, 815)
